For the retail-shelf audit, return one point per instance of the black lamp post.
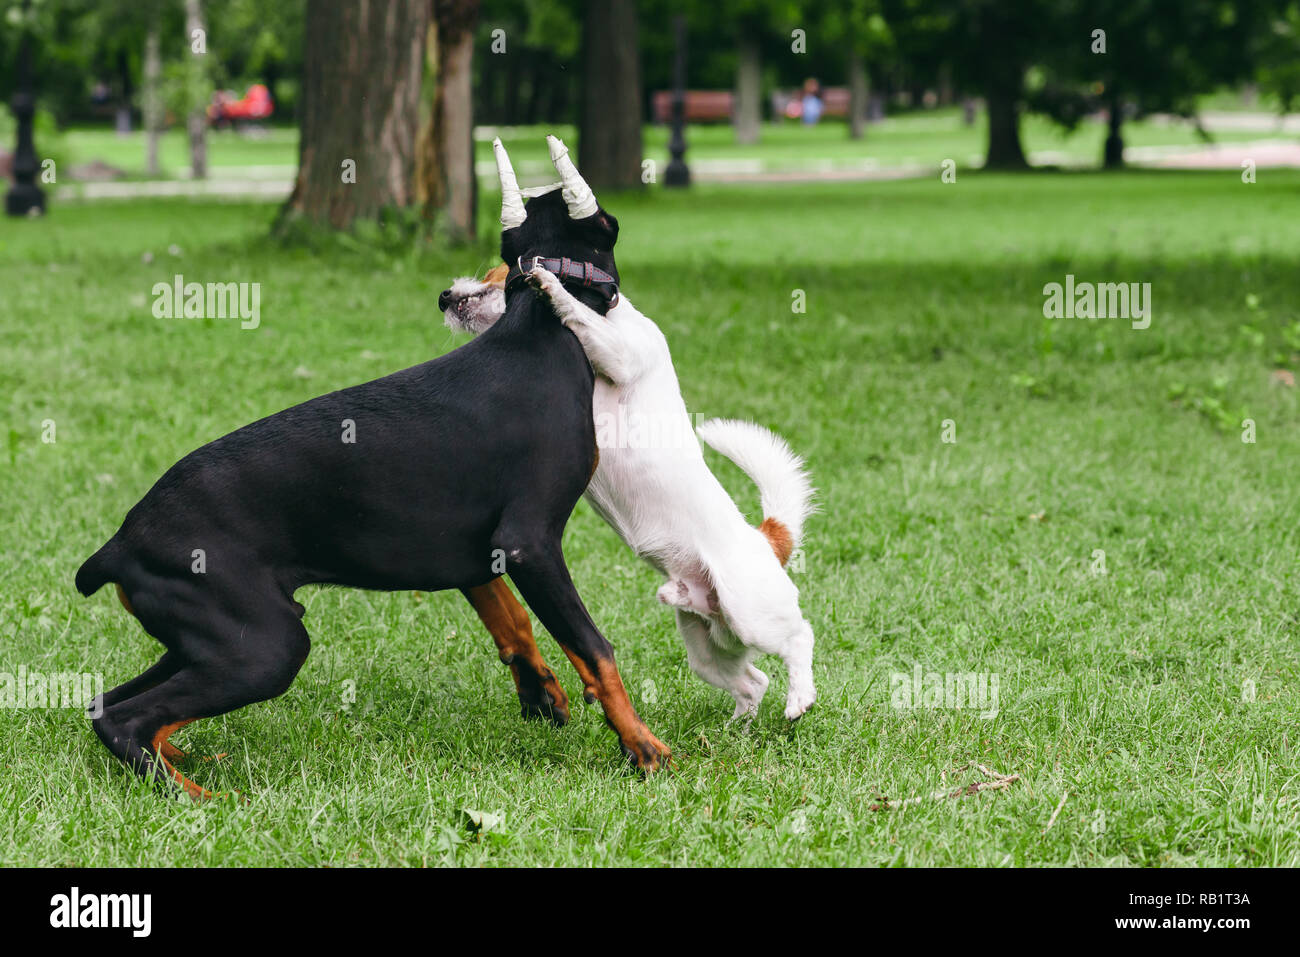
(24, 196)
(678, 173)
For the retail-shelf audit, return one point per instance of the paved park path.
(274, 182)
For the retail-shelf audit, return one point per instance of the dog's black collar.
(567, 271)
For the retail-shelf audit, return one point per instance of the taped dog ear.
(512, 202)
(578, 197)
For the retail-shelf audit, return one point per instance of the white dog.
(732, 596)
(726, 579)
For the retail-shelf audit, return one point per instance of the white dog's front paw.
(544, 281)
(800, 698)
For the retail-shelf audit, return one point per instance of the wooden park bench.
(701, 106)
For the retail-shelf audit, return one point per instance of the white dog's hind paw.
(674, 592)
(749, 695)
(688, 595)
(745, 713)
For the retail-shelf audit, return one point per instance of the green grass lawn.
(1128, 691)
(229, 152)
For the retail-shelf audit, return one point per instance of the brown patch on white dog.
(779, 537)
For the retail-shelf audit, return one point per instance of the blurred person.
(811, 101)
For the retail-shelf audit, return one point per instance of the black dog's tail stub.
(97, 570)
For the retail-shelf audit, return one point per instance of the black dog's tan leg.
(171, 753)
(543, 580)
(540, 694)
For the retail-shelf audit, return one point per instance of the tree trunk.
(610, 128)
(857, 96)
(537, 63)
(513, 69)
(360, 109)
(562, 105)
(197, 121)
(1113, 152)
(271, 76)
(1003, 74)
(945, 91)
(1004, 150)
(455, 101)
(875, 107)
(153, 113)
(122, 116)
(445, 166)
(747, 118)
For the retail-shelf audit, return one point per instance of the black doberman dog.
(439, 476)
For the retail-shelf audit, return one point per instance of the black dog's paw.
(542, 699)
(647, 753)
(547, 710)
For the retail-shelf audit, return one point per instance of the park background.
(1106, 534)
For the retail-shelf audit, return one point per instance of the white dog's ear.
(578, 196)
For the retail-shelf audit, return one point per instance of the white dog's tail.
(783, 484)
